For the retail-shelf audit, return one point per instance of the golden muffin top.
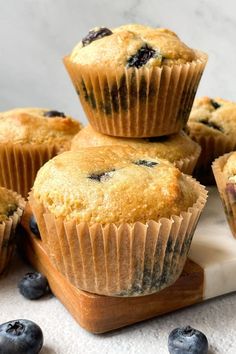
(230, 168)
(36, 125)
(8, 203)
(213, 117)
(172, 147)
(112, 184)
(132, 45)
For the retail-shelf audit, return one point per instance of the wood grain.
(99, 314)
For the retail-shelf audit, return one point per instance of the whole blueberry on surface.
(187, 340)
(20, 337)
(34, 226)
(33, 285)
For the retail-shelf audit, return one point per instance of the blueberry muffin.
(176, 148)
(212, 124)
(11, 210)
(115, 222)
(134, 80)
(28, 138)
(224, 169)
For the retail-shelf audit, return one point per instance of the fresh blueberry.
(20, 337)
(34, 226)
(33, 285)
(54, 114)
(187, 340)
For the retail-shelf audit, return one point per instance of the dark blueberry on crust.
(145, 163)
(20, 337)
(33, 286)
(157, 139)
(101, 177)
(215, 104)
(51, 114)
(212, 125)
(34, 226)
(139, 59)
(94, 35)
(187, 340)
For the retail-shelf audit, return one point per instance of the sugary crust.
(8, 203)
(125, 41)
(127, 192)
(207, 119)
(30, 126)
(173, 147)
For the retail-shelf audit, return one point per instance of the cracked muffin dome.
(112, 185)
(135, 81)
(36, 125)
(8, 203)
(28, 138)
(173, 147)
(132, 45)
(213, 117)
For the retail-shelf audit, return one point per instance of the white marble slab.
(214, 249)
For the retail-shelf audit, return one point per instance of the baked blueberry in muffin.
(212, 125)
(176, 148)
(28, 138)
(123, 74)
(124, 221)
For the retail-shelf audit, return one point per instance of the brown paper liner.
(188, 164)
(212, 147)
(19, 164)
(7, 233)
(120, 260)
(227, 191)
(134, 102)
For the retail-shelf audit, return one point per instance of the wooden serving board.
(209, 272)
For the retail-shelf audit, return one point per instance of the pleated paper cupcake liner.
(19, 164)
(7, 234)
(134, 102)
(212, 147)
(227, 191)
(120, 260)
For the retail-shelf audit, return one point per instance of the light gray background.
(36, 34)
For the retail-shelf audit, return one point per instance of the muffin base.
(227, 191)
(134, 102)
(19, 164)
(7, 235)
(120, 260)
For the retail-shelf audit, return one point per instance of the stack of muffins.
(116, 218)
(117, 214)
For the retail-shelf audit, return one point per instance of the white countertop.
(216, 318)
